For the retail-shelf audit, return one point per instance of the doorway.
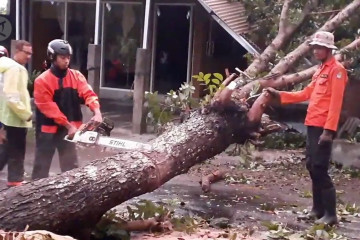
(171, 49)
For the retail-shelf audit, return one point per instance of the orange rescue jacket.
(325, 94)
(58, 99)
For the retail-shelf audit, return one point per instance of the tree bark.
(78, 198)
(286, 31)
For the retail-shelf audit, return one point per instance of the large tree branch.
(286, 31)
(284, 17)
(283, 81)
(288, 61)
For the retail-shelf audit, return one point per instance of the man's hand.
(71, 130)
(273, 92)
(97, 116)
(30, 118)
(326, 137)
(2, 135)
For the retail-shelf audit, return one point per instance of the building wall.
(11, 17)
(227, 52)
(47, 25)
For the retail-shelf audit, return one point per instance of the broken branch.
(212, 178)
(289, 60)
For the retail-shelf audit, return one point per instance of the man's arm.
(12, 94)
(338, 83)
(90, 97)
(295, 97)
(43, 97)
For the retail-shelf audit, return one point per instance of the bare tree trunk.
(286, 31)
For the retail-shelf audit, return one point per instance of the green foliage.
(32, 76)
(213, 83)
(111, 224)
(301, 86)
(146, 209)
(264, 15)
(321, 232)
(109, 227)
(162, 110)
(284, 140)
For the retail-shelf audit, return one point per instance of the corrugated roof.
(231, 15)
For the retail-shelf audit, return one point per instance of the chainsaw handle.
(67, 138)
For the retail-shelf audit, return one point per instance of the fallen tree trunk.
(78, 198)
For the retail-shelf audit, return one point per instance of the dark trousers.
(13, 153)
(46, 143)
(318, 159)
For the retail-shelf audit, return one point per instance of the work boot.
(15, 184)
(317, 210)
(329, 203)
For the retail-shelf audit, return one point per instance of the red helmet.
(3, 52)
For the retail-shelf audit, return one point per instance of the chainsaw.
(98, 133)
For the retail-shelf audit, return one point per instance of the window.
(122, 37)
(4, 7)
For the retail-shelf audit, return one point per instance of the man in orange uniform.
(325, 94)
(58, 93)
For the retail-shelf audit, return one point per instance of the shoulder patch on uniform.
(339, 75)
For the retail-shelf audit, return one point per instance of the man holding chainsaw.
(325, 94)
(58, 94)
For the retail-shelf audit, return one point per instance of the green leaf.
(212, 89)
(219, 76)
(216, 81)
(207, 76)
(207, 81)
(201, 74)
(196, 76)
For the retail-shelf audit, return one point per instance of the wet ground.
(275, 188)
